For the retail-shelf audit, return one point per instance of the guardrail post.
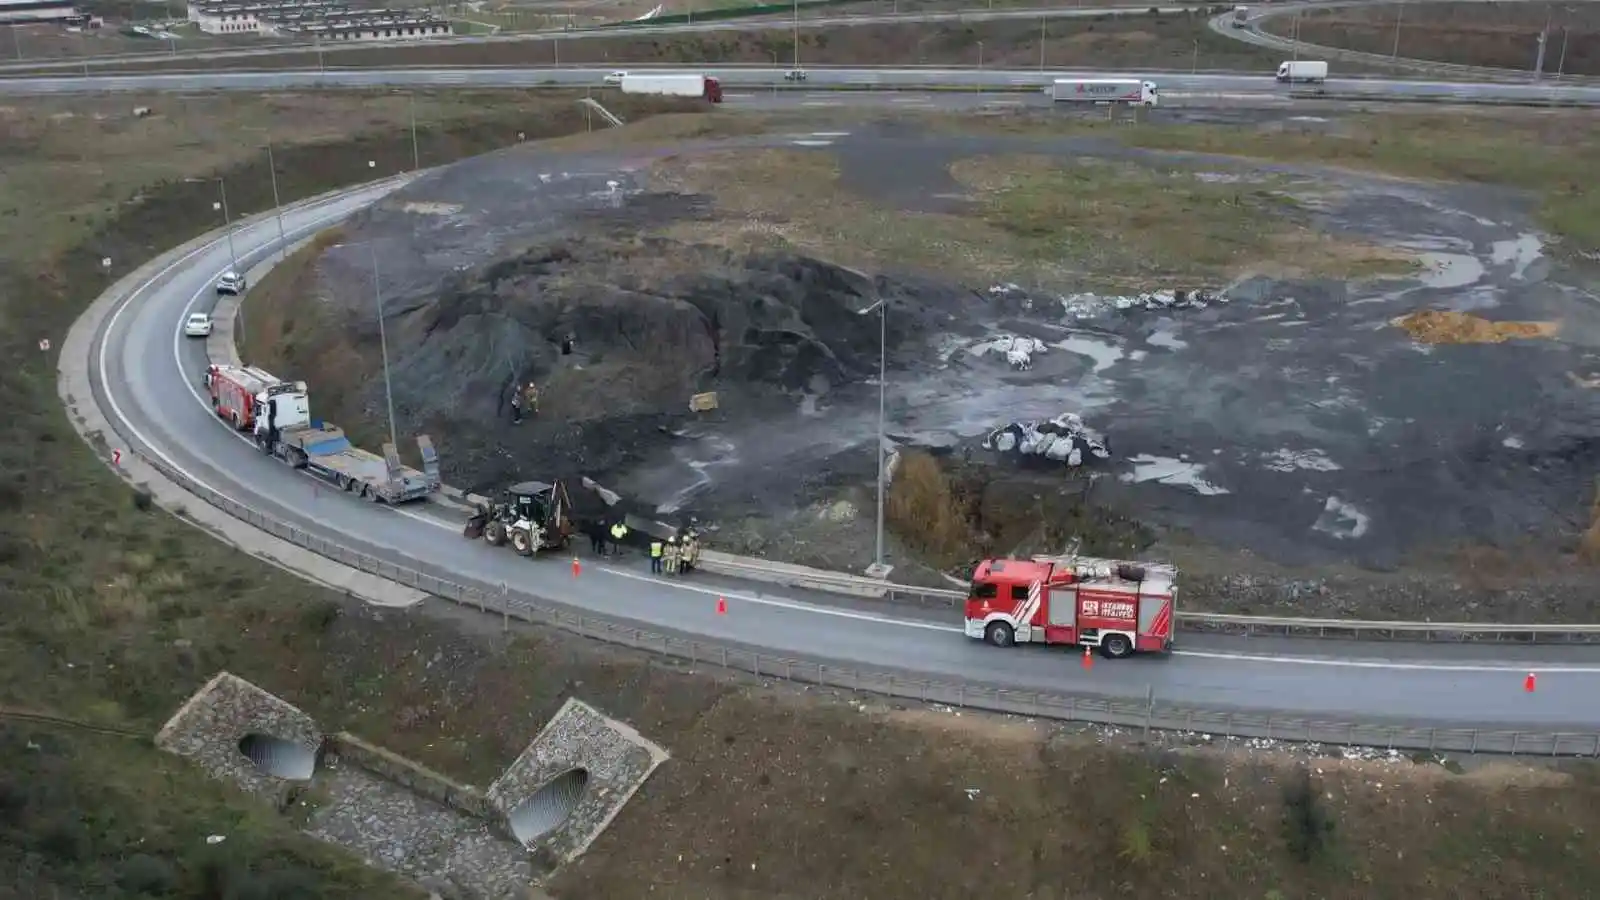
(505, 608)
(961, 700)
(1596, 745)
(1473, 747)
(755, 663)
(1516, 738)
(787, 671)
(724, 656)
(1227, 726)
(1433, 734)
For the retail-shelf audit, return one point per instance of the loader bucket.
(474, 527)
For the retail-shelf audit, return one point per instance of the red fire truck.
(1119, 607)
(233, 390)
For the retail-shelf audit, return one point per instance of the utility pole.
(1561, 67)
(797, 34)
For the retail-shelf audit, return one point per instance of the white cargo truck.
(1105, 90)
(1303, 71)
(672, 85)
(1241, 16)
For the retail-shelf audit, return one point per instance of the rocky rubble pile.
(1064, 439)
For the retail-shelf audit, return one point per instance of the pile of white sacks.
(1063, 439)
(1087, 306)
(1018, 351)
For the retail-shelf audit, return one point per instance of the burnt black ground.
(1294, 421)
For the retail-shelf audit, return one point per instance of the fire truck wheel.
(999, 634)
(1116, 646)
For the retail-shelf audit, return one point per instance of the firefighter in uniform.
(530, 399)
(672, 556)
(655, 557)
(691, 552)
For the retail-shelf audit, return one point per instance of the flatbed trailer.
(284, 428)
(324, 450)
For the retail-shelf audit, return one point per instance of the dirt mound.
(1438, 326)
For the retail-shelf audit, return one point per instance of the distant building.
(21, 12)
(317, 19)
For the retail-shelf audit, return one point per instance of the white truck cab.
(1302, 71)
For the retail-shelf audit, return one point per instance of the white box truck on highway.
(702, 86)
(1303, 71)
(1105, 90)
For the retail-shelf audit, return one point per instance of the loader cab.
(544, 503)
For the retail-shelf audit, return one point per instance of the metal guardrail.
(1446, 99)
(862, 587)
(1065, 706)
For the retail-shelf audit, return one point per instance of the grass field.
(1085, 225)
(1148, 41)
(1503, 35)
(114, 613)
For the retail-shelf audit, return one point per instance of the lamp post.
(879, 569)
(383, 337)
(797, 35)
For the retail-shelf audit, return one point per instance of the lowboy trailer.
(284, 428)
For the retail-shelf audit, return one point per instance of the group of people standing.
(673, 557)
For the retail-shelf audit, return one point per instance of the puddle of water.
(1342, 520)
(1165, 339)
(1103, 352)
(1450, 270)
(1166, 470)
(1519, 254)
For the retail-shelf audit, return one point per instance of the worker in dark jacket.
(597, 537)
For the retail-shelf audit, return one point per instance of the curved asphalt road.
(147, 378)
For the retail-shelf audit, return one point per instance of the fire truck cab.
(1119, 607)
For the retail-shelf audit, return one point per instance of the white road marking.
(812, 143)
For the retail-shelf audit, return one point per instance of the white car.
(795, 75)
(230, 283)
(197, 325)
(615, 78)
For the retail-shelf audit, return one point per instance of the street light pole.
(416, 157)
(878, 569)
(1561, 66)
(277, 204)
(1399, 16)
(1041, 43)
(797, 34)
(227, 223)
(383, 342)
(883, 387)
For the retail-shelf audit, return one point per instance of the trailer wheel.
(1116, 646)
(494, 533)
(1000, 634)
(522, 542)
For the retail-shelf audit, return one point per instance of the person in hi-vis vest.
(655, 557)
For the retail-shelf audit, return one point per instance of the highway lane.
(148, 376)
(747, 77)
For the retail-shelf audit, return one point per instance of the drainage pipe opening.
(279, 758)
(549, 807)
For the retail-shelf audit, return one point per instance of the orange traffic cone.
(722, 606)
(576, 568)
(1088, 658)
(1529, 683)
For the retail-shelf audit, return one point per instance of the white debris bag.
(1064, 439)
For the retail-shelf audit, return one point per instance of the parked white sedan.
(197, 325)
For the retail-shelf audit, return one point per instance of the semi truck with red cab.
(669, 84)
(1118, 607)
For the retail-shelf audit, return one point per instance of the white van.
(1303, 71)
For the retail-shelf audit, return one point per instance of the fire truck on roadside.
(1119, 607)
(233, 390)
